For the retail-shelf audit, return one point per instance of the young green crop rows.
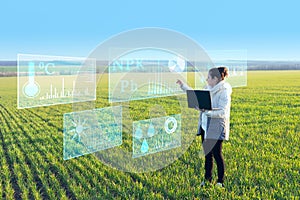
(262, 155)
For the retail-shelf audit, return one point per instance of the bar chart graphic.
(51, 80)
(146, 73)
(234, 60)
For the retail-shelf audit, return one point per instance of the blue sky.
(268, 30)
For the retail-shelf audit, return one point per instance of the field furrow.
(262, 155)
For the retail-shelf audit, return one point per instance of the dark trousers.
(213, 149)
(201, 133)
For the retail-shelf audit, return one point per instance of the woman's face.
(211, 81)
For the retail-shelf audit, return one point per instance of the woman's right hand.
(179, 82)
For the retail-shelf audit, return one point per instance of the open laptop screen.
(199, 98)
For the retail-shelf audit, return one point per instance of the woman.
(214, 124)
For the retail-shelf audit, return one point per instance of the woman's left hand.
(197, 108)
(208, 113)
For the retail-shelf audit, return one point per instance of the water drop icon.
(151, 130)
(138, 133)
(145, 146)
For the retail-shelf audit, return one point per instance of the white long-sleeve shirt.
(215, 123)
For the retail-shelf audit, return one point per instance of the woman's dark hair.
(220, 73)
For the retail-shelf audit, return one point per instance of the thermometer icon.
(32, 88)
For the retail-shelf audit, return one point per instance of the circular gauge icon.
(170, 125)
(177, 65)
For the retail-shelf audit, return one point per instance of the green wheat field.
(262, 156)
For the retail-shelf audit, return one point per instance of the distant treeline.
(8, 63)
(273, 65)
(9, 68)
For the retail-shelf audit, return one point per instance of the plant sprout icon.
(79, 129)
